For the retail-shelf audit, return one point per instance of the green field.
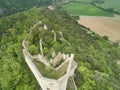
(107, 4)
(74, 8)
(115, 4)
(83, 0)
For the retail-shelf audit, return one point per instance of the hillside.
(96, 57)
(8, 7)
(112, 5)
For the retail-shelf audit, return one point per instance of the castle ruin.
(61, 63)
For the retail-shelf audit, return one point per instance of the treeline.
(8, 7)
(96, 57)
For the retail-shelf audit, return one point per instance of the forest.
(96, 56)
(8, 7)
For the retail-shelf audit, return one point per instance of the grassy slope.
(112, 4)
(82, 0)
(115, 4)
(76, 9)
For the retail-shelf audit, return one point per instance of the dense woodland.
(8, 7)
(96, 56)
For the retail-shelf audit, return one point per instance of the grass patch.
(77, 9)
(49, 72)
(83, 0)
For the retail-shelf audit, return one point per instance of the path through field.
(109, 26)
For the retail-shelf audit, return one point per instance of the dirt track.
(109, 26)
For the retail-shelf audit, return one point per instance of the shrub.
(33, 49)
(106, 37)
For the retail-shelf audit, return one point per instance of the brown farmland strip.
(109, 26)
